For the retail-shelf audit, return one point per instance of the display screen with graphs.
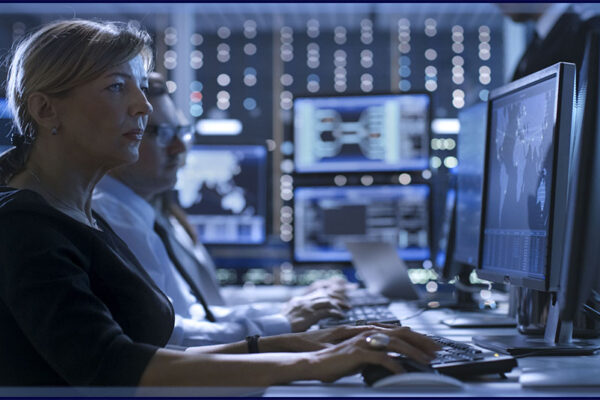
(328, 217)
(361, 133)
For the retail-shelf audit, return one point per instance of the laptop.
(382, 270)
(383, 273)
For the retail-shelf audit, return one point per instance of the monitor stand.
(478, 316)
(557, 340)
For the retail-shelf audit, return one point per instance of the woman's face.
(102, 121)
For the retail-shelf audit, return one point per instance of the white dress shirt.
(132, 218)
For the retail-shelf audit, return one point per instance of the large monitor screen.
(223, 190)
(362, 133)
(326, 218)
(469, 183)
(525, 202)
(6, 125)
(523, 136)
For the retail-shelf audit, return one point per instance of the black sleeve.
(45, 284)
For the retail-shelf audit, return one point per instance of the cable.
(472, 288)
(531, 354)
(591, 311)
(421, 311)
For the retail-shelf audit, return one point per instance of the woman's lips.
(134, 135)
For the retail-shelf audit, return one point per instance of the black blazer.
(76, 308)
(565, 42)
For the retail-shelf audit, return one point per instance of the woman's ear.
(43, 110)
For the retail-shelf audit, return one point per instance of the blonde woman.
(76, 308)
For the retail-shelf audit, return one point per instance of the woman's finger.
(410, 351)
(419, 340)
(414, 338)
(411, 344)
(383, 359)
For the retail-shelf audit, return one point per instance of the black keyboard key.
(361, 297)
(491, 364)
(361, 316)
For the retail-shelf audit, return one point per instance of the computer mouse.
(419, 379)
(373, 373)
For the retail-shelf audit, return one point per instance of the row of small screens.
(227, 205)
(518, 194)
(331, 134)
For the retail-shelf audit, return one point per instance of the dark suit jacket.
(565, 42)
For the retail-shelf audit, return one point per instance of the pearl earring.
(54, 131)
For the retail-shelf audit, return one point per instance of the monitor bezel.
(362, 94)
(564, 103)
(448, 270)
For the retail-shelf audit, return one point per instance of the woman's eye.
(145, 90)
(116, 87)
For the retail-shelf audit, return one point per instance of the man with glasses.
(124, 199)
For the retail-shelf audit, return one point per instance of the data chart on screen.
(361, 133)
(326, 218)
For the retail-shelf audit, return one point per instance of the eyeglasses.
(165, 133)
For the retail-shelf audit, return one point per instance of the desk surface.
(493, 385)
(353, 386)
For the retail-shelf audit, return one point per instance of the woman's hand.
(326, 338)
(304, 311)
(331, 285)
(350, 356)
(197, 367)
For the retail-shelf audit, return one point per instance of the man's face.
(156, 169)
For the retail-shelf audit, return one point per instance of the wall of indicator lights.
(252, 67)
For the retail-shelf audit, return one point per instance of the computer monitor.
(448, 270)
(582, 243)
(470, 150)
(223, 191)
(525, 193)
(464, 216)
(463, 211)
(326, 218)
(6, 125)
(444, 246)
(388, 132)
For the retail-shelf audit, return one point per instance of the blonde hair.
(57, 58)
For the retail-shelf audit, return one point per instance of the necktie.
(529, 58)
(169, 243)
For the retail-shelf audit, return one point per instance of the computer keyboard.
(462, 359)
(456, 359)
(362, 297)
(361, 315)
